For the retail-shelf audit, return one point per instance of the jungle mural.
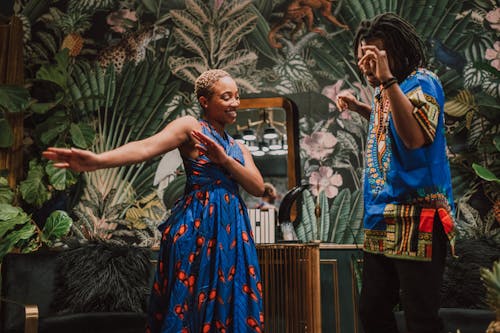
(102, 72)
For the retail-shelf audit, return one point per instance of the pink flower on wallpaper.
(364, 94)
(119, 21)
(325, 180)
(332, 91)
(494, 55)
(319, 144)
(493, 17)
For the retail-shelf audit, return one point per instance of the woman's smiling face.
(222, 105)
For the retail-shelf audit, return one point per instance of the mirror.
(269, 128)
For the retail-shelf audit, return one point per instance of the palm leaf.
(48, 41)
(308, 221)
(357, 12)
(355, 219)
(460, 104)
(199, 11)
(234, 32)
(247, 85)
(478, 127)
(187, 69)
(457, 34)
(238, 59)
(212, 42)
(185, 21)
(232, 9)
(191, 43)
(140, 82)
(348, 142)
(124, 123)
(324, 221)
(257, 38)
(339, 215)
(33, 9)
(447, 23)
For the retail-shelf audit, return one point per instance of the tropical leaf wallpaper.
(103, 72)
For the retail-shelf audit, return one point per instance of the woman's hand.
(248, 176)
(211, 149)
(72, 158)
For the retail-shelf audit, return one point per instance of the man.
(407, 184)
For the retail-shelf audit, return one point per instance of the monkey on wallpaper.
(299, 12)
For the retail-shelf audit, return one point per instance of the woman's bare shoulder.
(185, 123)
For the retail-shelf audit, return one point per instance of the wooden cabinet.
(339, 288)
(310, 287)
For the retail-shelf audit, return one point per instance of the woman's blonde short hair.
(204, 82)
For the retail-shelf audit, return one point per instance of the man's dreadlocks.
(400, 39)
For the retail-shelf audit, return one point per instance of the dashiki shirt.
(406, 189)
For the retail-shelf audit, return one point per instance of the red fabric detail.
(446, 220)
(428, 251)
(426, 219)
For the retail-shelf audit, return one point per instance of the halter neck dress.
(208, 277)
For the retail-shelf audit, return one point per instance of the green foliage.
(471, 225)
(491, 281)
(6, 194)
(484, 173)
(174, 191)
(97, 215)
(135, 108)
(57, 226)
(33, 189)
(100, 218)
(60, 179)
(144, 217)
(57, 71)
(93, 108)
(13, 98)
(6, 136)
(339, 223)
(17, 229)
(211, 38)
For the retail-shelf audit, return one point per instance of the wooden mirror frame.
(292, 130)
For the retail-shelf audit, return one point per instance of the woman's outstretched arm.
(174, 135)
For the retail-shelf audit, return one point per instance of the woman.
(207, 277)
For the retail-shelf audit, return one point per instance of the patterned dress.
(208, 278)
(406, 189)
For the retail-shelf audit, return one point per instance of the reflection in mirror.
(268, 127)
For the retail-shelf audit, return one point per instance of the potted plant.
(491, 280)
